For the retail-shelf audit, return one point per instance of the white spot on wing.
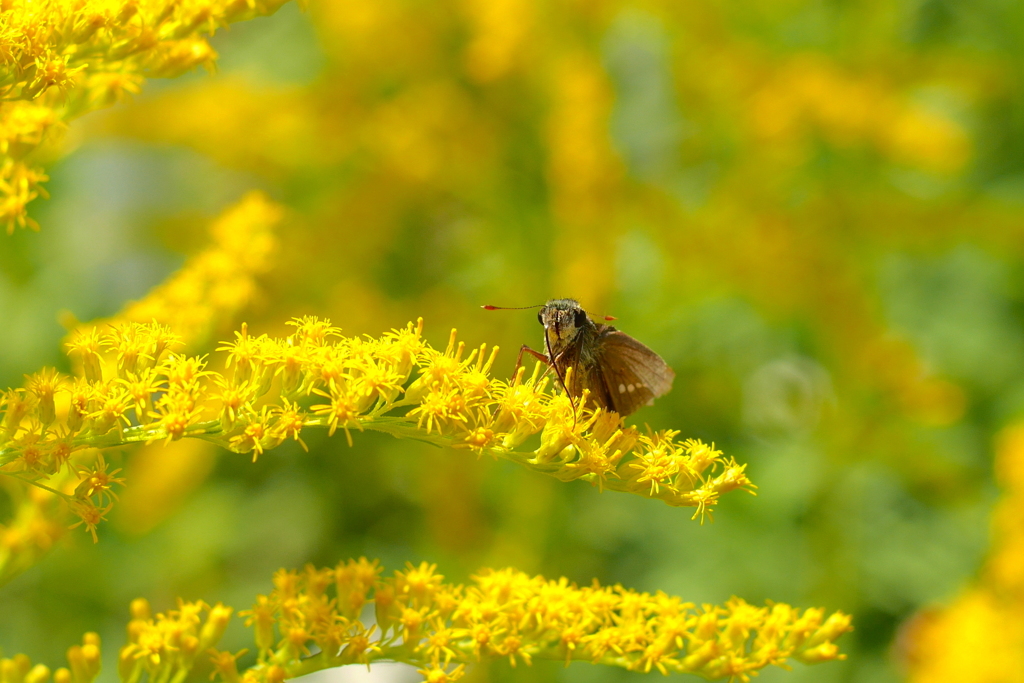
(622, 388)
(631, 388)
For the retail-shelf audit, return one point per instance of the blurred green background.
(811, 209)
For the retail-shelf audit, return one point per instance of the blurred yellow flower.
(980, 637)
(162, 476)
(64, 58)
(500, 29)
(809, 91)
(83, 665)
(218, 282)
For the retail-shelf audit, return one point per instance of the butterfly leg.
(536, 354)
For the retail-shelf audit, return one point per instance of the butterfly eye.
(540, 317)
(581, 318)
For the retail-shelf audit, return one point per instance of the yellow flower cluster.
(980, 637)
(167, 647)
(499, 29)
(64, 58)
(219, 281)
(83, 665)
(134, 388)
(210, 288)
(584, 171)
(315, 620)
(506, 614)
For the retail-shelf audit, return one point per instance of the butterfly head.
(563, 319)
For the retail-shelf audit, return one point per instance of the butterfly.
(620, 373)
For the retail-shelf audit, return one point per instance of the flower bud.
(40, 673)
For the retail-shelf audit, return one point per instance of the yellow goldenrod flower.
(137, 388)
(443, 628)
(83, 665)
(508, 614)
(172, 642)
(43, 385)
(89, 515)
(123, 386)
(64, 58)
(225, 665)
(96, 482)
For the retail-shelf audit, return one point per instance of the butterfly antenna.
(488, 307)
(561, 379)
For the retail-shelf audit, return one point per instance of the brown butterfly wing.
(586, 375)
(591, 377)
(632, 374)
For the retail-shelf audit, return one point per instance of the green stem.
(182, 675)
(15, 475)
(123, 437)
(401, 427)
